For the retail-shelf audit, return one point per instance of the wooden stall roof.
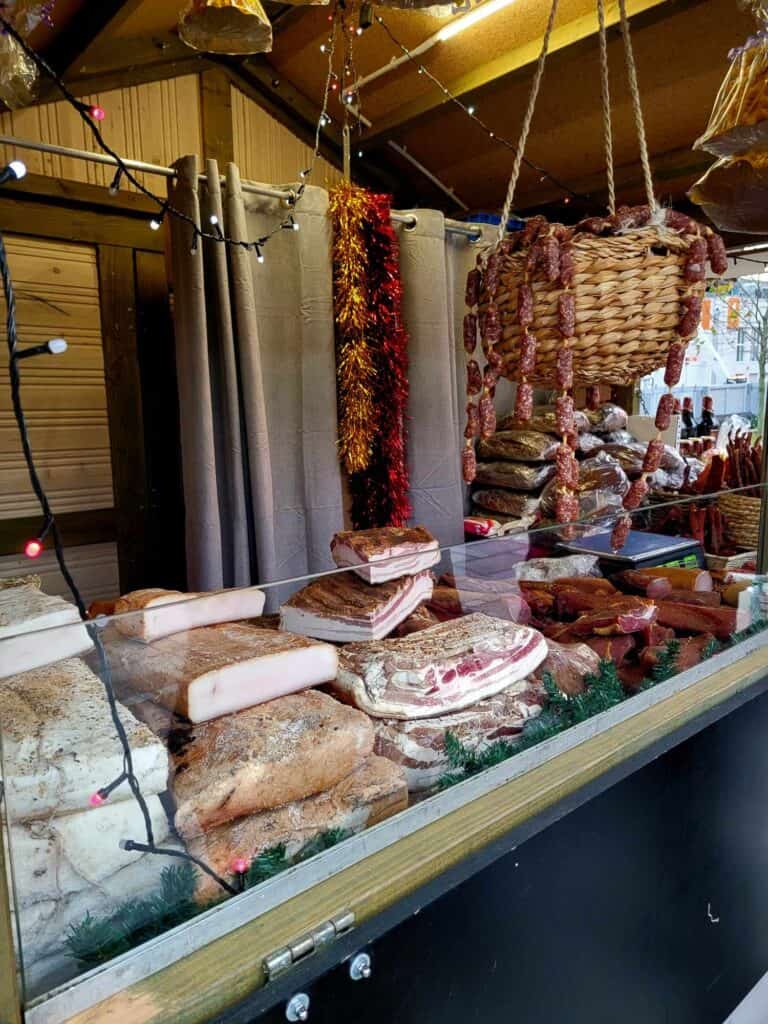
(682, 54)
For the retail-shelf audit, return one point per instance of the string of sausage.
(705, 245)
(481, 417)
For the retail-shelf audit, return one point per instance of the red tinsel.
(380, 493)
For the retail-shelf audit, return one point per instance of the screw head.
(297, 1008)
(360, 967)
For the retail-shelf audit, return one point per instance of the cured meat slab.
(342, 607)
(159, 613)
(24, 612)
(618, 615)
(374, 791)
(687, 618)
(419, 746)
(438, 670)
(269, 755)
(386, 553)
(60, 745)
(68, 853)
(204, 673)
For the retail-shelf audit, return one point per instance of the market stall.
(446, 586)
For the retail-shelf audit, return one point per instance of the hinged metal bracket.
(282, 959)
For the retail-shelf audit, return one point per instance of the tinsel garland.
(355, 368)
(380, 495)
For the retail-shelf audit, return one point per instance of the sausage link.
(524, 305)
(527, 354)
(674, 367)
(472, 428)
(468, 464)
(470, 333)
(472, 293)
(696, 261)
(653, 454)
(564, 414)
(564, 370)
(718, 257)
(566, 314)
(664, 411)
(487, 416)
(474, 378)
(637, 491)
(620, 533)
(524, 402)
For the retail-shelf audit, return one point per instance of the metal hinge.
(282, 959)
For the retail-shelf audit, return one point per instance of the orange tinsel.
(355, 367)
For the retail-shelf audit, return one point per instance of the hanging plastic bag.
(734, 193)
(739, 120)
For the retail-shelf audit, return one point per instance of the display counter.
(314, 756)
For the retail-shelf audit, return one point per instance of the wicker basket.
(742, 518)
(627, 290)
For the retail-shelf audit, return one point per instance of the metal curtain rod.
(410, 220)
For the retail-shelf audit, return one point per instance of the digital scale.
(641, 551)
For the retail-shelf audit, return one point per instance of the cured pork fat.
(212, 671)
(372, 792)
(24, 611)
(419, 746)
(438, 670)
(386, 553)
(269, 755)
(342, 607)
(59, 743)
(159, 613)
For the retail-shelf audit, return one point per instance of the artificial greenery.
(666, 665)
(96, 940)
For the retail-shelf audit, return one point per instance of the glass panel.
(254, 748)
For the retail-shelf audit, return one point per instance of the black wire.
(51, 526)
(83, 110)
(542, 171)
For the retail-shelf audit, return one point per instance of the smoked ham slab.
(24, 612)
(419, 746)
(263, 757)
(204, 673)
(159, 613)
(386, 553)
(568, 664)
(60, 745)
(375, 790)
(438, 670)
(342, 607)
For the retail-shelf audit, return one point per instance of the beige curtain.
(256, 384)
(255, 350)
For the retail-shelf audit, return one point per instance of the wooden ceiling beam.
(516, 59)
(68, 46)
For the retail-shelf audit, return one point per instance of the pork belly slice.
(60, 744)
(419, 746)
(263, 757)
(374, 791)
(212, 671)
(386, 553)
(24, 612)
(159, 613)
(342, 607)
(438, 670)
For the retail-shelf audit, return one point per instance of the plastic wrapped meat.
(450, 603)
(543, 420)
(608, 417)
(517, 476)
(602, 486)
(508, 503)
(589, 444)
(568, 664)
(518, 446)
(556, 568)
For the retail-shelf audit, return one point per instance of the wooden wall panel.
(94, 567)
(156, 122)
(266, 151)
(57, 290)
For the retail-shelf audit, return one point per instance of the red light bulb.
(33, 548)
(98, 113)
(239, 865)
(96, 799)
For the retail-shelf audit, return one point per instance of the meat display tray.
(640, 551)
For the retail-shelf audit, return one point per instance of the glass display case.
(192, 766)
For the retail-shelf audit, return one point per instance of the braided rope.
(507, 208)
(636, 107)
(606, 96)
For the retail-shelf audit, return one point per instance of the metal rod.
(453, 227)
(427, 174)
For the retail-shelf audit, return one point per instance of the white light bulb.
(359, 154)
(214, 219)
(154, 224)
(295, 226)
(56, 346)
(18, 167)
(259, 258)
(322, 48)
(470, 111)
(359, 30)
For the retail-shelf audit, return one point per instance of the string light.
(14, 171)
(54, 347)
(93, 115)
(34, 547)
(469, 110)
(114, 186)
